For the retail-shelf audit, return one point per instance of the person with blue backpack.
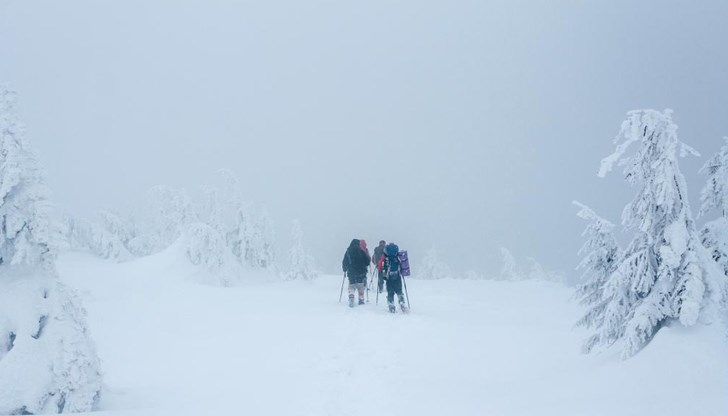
(391, 267)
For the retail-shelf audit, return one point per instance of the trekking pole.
(342, 287)
(406, 295)
(377, 302)
(366, 284)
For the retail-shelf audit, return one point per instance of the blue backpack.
(392, 269)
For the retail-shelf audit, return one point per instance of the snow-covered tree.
(231, 189)
(25, 210)
(537, 272)
(510, 270)
(432, 267)
(471, 275)
(714, 236)
(107, 239)
(48, 362)
(662, 276)
(251, 240)
(301, 264)
(601, 254)
(205, 247)
(714, 196)
(116, 225)
(103, 242)
(211, 212)
(168, 213)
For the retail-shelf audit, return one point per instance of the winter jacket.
(355, 260)
(378, 253)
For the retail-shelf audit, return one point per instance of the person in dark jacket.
(390, 265)
(355, 265)
(378, 253)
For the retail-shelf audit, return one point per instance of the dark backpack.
(392, 264)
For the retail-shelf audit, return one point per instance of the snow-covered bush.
(432, 267)
(601, 254)
(301, 264)
(512, 271)
(662, 276)
(105, 239)
(48, 362)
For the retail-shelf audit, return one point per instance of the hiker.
(378, 253)
(389, 264)
(355, 264)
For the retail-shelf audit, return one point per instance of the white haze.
(467, 125)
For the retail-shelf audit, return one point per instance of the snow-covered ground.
(171, 347)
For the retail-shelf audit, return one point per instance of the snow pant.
(357, 283)
(394, 286)
(380, 281)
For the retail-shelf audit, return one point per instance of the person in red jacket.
(378, 255)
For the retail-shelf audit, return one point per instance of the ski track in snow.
(172, 347)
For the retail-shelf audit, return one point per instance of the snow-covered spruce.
(251, 239)
(301, 264)
(510, 270)
(205, 247)
(714, 197)
(48, 363)
(664, 275)
(601, 254)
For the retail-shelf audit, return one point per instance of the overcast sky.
(467, 125)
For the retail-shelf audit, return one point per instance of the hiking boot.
(351, 301)
(392, 309)
(361, 301)
(403, 307)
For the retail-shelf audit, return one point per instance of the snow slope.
(173, 347)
